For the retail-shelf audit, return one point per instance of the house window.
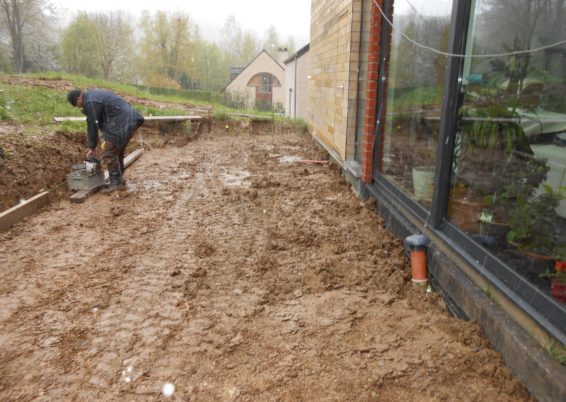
(266, 83)
(414, 97)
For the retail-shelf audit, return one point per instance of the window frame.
(547, 312)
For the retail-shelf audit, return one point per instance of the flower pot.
(532, 265)
(497, 231)
(423, 182)
(466, 213)
(558, 290)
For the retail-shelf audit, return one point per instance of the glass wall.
(415, 84)
(509, 170)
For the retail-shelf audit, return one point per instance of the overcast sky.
(424, 7)
(290, 17)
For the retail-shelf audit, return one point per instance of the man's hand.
(90, 152)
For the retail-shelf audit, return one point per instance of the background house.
(297, 70)
(261, 82)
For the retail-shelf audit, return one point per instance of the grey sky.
(424, 7)
(291, 18)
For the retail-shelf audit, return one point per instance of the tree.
(167, 46)
(271, 41)
(211, 68)
(249, 50)
(20, 19)
(115, 44)
(98, 45)
(80, 53)
(231, 41)
(291, 46)
(519, 25)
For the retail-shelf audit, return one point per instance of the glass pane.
(509, 167)
(414, 96)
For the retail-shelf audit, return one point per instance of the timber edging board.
(15, 214)
(146, 118)
(81, 196)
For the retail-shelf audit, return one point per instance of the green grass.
(181, 97)
(3, 110)
(409, 99)
(35, 106)
(557, 352)
(301, 124)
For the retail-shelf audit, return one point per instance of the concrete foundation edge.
(527, 359)
(523, 355)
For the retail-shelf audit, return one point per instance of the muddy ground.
(235, 271)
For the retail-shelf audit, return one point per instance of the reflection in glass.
(509, 172)
(414, 94)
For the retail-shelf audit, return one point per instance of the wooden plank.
(132, 157)
(61, 119)
(80, 196)
(172, 118)
(15, 214)
(148, 118)
(251, 116)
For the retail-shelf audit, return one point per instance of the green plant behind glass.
(533, 222)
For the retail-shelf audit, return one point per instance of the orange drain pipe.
(417, 245)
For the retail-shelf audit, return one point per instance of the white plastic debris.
(168, 389)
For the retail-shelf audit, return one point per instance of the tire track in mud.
(235, 272)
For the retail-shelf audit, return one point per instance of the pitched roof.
(250, 63)
(298, 54)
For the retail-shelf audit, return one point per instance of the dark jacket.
(111, 114)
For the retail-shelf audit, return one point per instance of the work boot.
(116, 183)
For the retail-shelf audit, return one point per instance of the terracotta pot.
(558, 290)
(533, 264)
(466, 213)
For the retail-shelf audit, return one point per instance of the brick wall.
(357, 146)
(371, 93)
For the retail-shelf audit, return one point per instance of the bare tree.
(115, 43)
(271, 41)
(231, 42)
(20, 18)
(519, 25)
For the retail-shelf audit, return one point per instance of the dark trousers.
(114, 155)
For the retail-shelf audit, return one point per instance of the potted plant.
(557, 284)
(494, 163)
(533, 228)
(516, 185)
(560, 252)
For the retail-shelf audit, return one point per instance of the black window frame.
(546, 311)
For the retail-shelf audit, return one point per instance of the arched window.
(264, 82)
